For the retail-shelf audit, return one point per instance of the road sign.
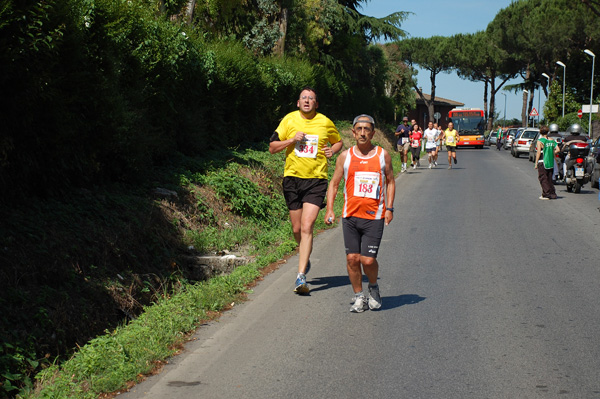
(534, 112)
(437, 115)
(580, 114)
(585, 108)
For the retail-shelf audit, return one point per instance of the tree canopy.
(434, 54)
(538, 33)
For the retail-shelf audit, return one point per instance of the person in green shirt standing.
(499, 138)
(546, 148)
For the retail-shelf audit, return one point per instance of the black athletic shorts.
(416, 152)
(362, 236)
(451, 148)
(296, 191)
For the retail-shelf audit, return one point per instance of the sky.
(447, 18)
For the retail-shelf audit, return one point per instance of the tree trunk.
(524, 113)
(189, 12)
(279, 48)
(493, 91)
(431, 103)
(531, 98)
(486, 112)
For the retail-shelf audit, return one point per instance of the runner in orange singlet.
(367, 170)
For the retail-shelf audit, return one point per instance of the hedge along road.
(487, 292)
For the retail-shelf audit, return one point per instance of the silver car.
(522, 141)
(509, 137)
(493, 138)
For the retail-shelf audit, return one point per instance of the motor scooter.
(579, 166)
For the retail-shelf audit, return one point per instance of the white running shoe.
(374, 298)
(360, 305)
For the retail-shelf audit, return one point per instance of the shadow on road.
(325, 283)
(391, 302)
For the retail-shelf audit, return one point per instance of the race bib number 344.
(308, 147)
(366, 184)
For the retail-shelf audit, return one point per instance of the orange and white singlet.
(364, 181)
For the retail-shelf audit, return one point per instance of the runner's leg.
(309, 216)
(303, 221)
(371, 268)
(354, 272)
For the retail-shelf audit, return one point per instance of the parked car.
(510, 135)
(596, 171)
(522, 141)
(492, 138)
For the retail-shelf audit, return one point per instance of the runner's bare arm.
(276, 145)
(338, 174)
(337, 147)
(334, 149)
(390, 187)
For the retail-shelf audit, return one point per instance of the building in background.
(441, 105)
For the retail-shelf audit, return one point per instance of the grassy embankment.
(232, 203)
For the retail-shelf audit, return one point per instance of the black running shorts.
(416, 152)
(362, 236)
(296, 191)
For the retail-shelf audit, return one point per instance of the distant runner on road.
(438, 142)
(305, 135)
(451, 137)
(366, 170)
(403, 134)
(431, 135)
(415, 145)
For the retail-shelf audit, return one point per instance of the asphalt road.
(487, 292)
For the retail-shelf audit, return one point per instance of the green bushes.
(104, 91)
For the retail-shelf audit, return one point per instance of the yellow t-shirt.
(450, 137)
(306, 159)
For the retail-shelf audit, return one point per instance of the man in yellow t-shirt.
(451, 138)
(309, 140)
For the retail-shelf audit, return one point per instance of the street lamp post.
(588, 52)
(526, 115)
(564, 76)
(539, 96)
(504, 124)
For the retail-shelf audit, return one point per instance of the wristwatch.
(391, 209)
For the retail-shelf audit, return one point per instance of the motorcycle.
(579, 166)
